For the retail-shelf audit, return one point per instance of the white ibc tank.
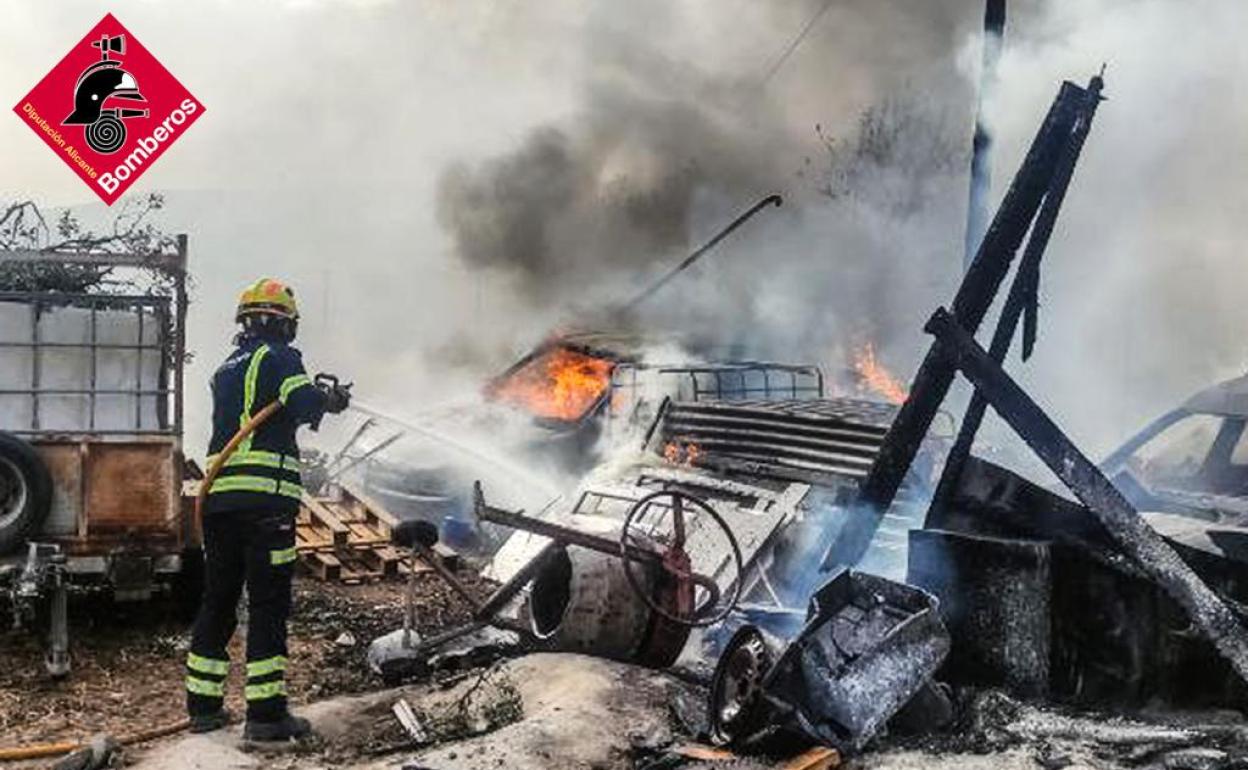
(70, 368)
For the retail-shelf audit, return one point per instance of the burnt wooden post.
(1022, 302)
(975, 295)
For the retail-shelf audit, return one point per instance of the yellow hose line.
(231, 446)
(41, 750)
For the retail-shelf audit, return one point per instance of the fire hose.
(228, 451)
(42, 750)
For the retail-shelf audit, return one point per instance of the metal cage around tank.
(167, 311)
(117, 471)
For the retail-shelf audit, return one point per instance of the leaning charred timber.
(1023, 301)
(1058, 137)
(1130, 534)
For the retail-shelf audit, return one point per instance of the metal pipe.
(364, 426)
(387, 442)
(179, 349)
(565, 534)
(770, 200)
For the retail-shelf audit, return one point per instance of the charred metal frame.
(1022, 301)
(778, 382)
(793, 389)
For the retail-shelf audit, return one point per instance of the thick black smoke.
(664, 149)
(610, 193)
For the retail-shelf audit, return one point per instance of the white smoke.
(1143, 283)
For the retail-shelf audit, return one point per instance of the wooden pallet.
(347, 538)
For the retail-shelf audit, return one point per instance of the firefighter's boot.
(289, 727)
(206, 723)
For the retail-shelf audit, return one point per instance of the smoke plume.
(666, 146)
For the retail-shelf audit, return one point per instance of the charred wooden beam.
(1207, 611)
(1022, 301)
(979, 287)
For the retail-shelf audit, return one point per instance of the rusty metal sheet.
(131, 487)
(64, 461)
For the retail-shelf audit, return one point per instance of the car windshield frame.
(1214, 472)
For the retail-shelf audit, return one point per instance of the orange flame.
(560, 384)
(876, 378)
(675, 454)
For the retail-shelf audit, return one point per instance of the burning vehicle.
(567, 405)
(582, 386)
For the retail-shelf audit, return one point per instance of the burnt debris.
(780, 521)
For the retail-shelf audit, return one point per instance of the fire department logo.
(109, 109)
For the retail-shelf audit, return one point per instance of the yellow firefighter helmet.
(267, 296)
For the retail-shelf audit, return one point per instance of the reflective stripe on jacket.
(263, 472)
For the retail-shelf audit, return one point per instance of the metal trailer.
(98, 505)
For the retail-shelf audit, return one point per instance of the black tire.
(25, 492)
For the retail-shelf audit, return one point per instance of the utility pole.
(981, 145)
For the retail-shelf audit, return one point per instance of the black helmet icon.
(97, 87)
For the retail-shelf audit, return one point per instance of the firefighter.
(249, 515)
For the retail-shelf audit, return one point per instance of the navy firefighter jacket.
(263, 473)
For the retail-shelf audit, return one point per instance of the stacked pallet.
(346, 538)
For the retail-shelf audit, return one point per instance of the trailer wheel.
(25, 491)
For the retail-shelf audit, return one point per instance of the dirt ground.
(558, 711)
(540, 711)
(128, 659)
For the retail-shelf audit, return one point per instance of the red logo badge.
(109, 109)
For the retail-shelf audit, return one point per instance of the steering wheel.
(676, 562)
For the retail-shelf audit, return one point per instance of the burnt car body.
(1192, 460)
(560, 405)
(578, 385)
